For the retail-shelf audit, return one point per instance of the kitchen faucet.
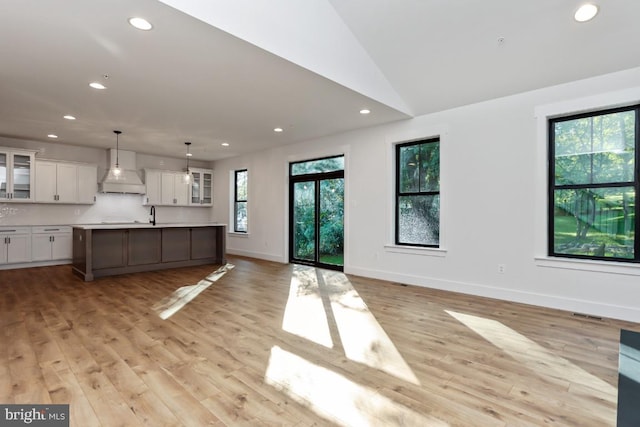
(153, 215)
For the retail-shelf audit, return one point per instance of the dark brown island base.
(108, 249)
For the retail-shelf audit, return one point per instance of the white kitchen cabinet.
(15, 245)
(63, 182)
(16, 175)
(202, 187)
(167, 188)
(174, 191)
(51, 243)
(87, 184)
(153, 183)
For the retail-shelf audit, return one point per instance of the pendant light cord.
(117, 132)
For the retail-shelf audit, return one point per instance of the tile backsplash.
(108, 207)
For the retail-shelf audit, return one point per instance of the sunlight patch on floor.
(304, 314)
(362, 337)
(335, 397)
(531, 354)
(170, 305)
(319, 299)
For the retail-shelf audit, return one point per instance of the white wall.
(108, 207)
(490, 205)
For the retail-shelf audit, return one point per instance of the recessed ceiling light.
(69, 117)
(586, 12)
(140, 23)
(225, 144)
(365, 111)
(278, 129)
(52, 136)
(97, 85)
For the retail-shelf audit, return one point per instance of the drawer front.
(15, 230)
(48, 229)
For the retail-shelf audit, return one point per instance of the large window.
(593, 183)
(240, 200)
(418, 193)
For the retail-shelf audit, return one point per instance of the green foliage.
(330, 164)
(589, 220)
(331, 244)
(596, 149)
(419, 167)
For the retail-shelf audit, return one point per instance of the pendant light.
(187, 178)
(116, 172)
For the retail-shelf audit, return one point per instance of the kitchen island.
(108, 249)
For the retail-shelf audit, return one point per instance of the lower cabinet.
(175, 244)
(109, 249)
(99, 252)
(51, 243)
(144, 246)
(15, 245)
(203, 243)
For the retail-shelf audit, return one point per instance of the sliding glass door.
(316, 226)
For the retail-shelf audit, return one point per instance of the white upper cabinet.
(87, 184)
(166, 188)
(16, 175)
(152, 180)
(63, 182)
(201, 188)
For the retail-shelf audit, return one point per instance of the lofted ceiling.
(231, 71)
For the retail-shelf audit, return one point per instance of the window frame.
(552, 187)
(236, 201)
(397, 148)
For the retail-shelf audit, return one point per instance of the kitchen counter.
(126, 225)
(118, 248)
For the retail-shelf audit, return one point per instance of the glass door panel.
(21, 177)
(195, 188)
(331, 242)
(206, 188)
(304, 221)
(3, 176)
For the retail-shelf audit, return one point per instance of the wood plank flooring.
(270, 344)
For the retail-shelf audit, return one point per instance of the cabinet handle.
(9, 240)
(51, 229)
(53, 238)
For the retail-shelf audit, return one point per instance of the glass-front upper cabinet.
(4, 184)
(16, 175)
(201, 188)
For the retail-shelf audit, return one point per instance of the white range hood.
(129, 181)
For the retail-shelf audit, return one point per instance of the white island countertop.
(127, 225)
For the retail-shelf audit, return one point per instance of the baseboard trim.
(593, 308)
(258, 255)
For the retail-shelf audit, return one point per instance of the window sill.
(415, 250)
(612, 267)
(237, 234)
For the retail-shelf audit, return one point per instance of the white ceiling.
(187, 80)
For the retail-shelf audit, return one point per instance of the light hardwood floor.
(271, 344)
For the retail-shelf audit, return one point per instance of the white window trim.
(434, 131)
(542, 115)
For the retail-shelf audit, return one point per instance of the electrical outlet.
(502, 268)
